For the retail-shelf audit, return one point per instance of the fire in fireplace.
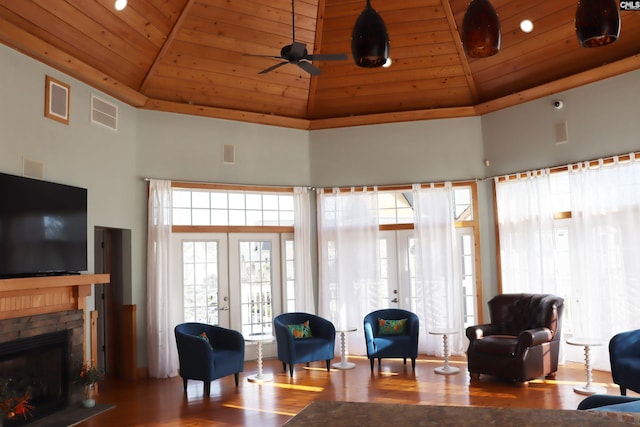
(37, 368)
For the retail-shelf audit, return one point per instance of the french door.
(200, 264)
(398, 271)
(232, 280)
(397, 275)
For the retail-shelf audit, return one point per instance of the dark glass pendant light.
(370, 40)
(481, 33)
(597, 22)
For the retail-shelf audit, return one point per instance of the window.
(203, 207)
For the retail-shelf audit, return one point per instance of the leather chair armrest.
(532, 337)
(479, 331)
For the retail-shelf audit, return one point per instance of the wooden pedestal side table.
(259, 377)
(446, 369)
(587, 343)
(343, 364)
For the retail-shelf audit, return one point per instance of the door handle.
(225, 308)
(394, 300)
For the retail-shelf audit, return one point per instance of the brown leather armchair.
(522, 342)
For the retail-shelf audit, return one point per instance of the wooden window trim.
(230, 187)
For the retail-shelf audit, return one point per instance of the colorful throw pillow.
(392, 327)
(205, 337)
(301, 330)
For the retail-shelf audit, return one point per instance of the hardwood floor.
(162, 402)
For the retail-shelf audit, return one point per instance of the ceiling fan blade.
(328, 57)
(310, 68)
(273, 67)
(298, 50)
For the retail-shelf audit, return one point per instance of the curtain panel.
(438, 282)
(162, 354)
(349, 267)
(604, 245)
(303, 291)
(526, 229)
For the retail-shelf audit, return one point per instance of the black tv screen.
(43, 227)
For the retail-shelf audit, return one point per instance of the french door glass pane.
(200, 278)
(468, 280)
(255, 287)
(289, 271)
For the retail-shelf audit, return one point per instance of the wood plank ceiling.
(190, 56)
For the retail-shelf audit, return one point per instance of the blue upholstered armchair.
(383, 343)
(219, 355)
(320, 346)
(624, 354)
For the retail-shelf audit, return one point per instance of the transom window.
(207, 207)
(396, 206)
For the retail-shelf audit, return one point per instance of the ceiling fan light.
(481, 32)
(597, 22)
(369, 39)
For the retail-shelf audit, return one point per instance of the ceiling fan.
(296, 53)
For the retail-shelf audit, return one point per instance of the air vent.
(561, 133)
(32, 168)
(104, 113)
(229, 154)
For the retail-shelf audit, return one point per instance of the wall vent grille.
(104, 113)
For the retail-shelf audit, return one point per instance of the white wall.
(399, 153)
(180, 147)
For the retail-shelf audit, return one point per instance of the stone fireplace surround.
(41, 305)
(24, 329)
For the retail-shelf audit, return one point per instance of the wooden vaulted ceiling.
(189, 56)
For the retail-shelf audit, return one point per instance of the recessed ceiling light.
(120, 4)
(526, 25)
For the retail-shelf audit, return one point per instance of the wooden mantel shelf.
(52, 281)
(38, 295)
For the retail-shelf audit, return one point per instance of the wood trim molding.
(129, 342)
(38, 295)
(94, 337)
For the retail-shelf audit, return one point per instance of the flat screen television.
(43, 228)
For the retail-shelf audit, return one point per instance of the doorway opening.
(112, 253)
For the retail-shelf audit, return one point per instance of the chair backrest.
(293, 318)
(191, 328)
(388, 314)
(514, 313)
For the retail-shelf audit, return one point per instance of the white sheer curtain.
(161, 348)
(348, 246)
(604, 246)
(525, 224)
(438, 283)
(302, 247)
(602, 282)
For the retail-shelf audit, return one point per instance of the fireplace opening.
(37, 368)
